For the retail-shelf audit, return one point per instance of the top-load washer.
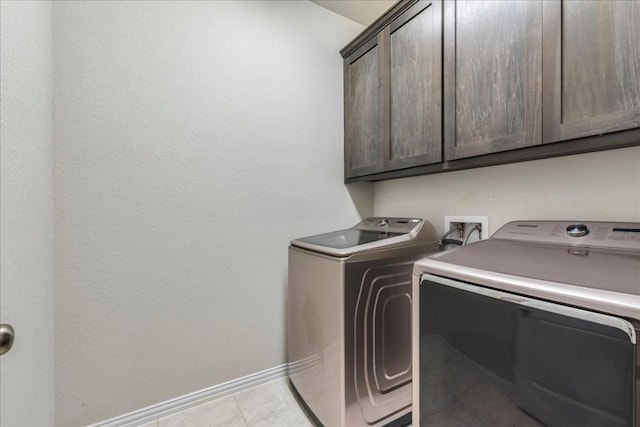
(349, 320)
(537, 325)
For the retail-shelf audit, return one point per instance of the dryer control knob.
(577, 230)
(383, 222)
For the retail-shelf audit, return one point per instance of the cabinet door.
(591, 68)
(363, 110)
(416, 86)
(492, 76)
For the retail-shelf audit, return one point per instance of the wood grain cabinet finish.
(436, 86)
(415, 51)
(393, 94)
(592, 68)
(493, 76)
(364, 106)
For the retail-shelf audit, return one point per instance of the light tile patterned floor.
(269, 405)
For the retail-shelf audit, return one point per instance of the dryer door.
(492, 358)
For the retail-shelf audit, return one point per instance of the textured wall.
(596, 186)
(192, 141)
(26, 213)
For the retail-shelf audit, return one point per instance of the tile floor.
(269, 405)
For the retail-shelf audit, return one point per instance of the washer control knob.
(577, 230)
(383, 222)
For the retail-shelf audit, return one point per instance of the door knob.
(7, 335)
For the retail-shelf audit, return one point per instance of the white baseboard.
(178, 404)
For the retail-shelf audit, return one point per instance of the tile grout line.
(244, 418)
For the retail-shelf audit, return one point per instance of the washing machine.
(536, 326)
(349, 320)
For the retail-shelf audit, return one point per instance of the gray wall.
(192, 141)
(595, 186)
(26, 213)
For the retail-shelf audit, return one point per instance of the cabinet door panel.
(363, 112)
(416, 87)
(592, 68)
(493, 84)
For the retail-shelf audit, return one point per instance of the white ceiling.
(362, 11)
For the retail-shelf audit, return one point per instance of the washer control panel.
(589, 233)
(390, 225)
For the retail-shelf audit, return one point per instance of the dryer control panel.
(616, 235)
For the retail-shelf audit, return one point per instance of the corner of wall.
(362, 195)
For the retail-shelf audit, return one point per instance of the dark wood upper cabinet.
(435, 86)
(393, 93)
(493, 76)
(364, 106)
(415, 46)
(591, 68)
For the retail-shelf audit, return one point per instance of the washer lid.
(348, 238)
(370, 234)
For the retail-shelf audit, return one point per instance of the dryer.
(349, 320)
(537, 325)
